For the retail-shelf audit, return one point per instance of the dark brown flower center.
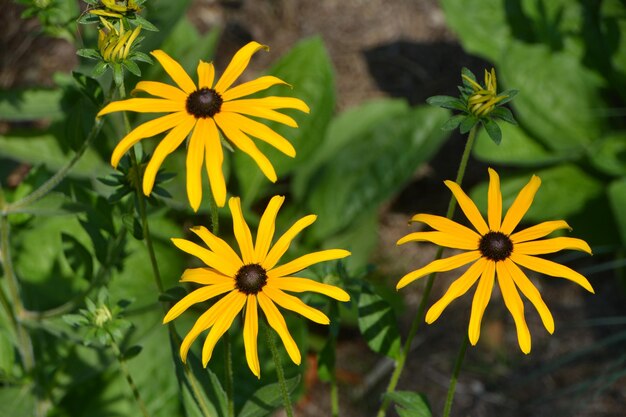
(250, 278)
(495, 246)
(204, 103)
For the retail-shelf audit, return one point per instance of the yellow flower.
(249, 280)
(484, 99)
(115, 45)
(496, 251)
(206, 110)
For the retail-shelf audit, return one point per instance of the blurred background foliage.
(567, 59)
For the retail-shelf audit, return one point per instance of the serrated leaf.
(267, 399)
(410, 404)
(377, 323)
(77, 256)
(493, 130)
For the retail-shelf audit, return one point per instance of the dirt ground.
(403, 48)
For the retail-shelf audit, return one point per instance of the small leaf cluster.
(118, 37)
(477, 104)
(103, 324)
(53, 15)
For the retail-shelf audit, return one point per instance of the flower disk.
(495, 252)
(250, 279)
(495, 246)
(204, 103)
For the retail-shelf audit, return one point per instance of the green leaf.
(467, 123)
(89, 53)
(368, 171)
(53, 204)
(504, 114)
(564, 192)
(326, 361)
(77, 256)
(99, 69)
(131, 352)
(447, 102)
(610, 154)
(517, 148)
(7, 353)
(32, 104)
(617, 198)
(555, 88)
(17, 402)
(267, 399)
(453, 122)
(132, 67)
(308, 69)
(493, 130)
(410, 404)
(377, 323)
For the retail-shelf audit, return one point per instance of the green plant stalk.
(228, 364)
(401, 360)
(279, 370)
(455, 376)
(129, 378)
(334, 394)
(25, 343)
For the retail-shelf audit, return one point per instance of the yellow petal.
(214, 158)
(206, 320)
(195, 158)
(277, 322)
(175, 71)
(520, 206)
(296, 305)
(144, 105)
(260, 131)
(556, 244)
(442, 239)
(243, 142)
(295, 284)
(250, 335)
(459, 287)
(307, 260)
(480, 301)
(282, 244)
(539, 230)
(445, 225)
(515, 306)
(544, 266)
(197, 296)
(161, 90)
(242, 231)
(237, 65)
(265, 232)
(530, 291)
(468, 207)
(169, 143)
(274, 103)
(146, 130)
(251, 87)
(221, 325)
(204, 276)
(439, 265)
(209, 258)
(494, 200)
(206, 74)
(269, 114)
(217, 245)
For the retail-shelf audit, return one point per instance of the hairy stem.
(419, 317)
(455, 376)
(269, 337)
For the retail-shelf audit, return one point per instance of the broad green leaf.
(516, 148)
(52, 204)
(554, 87)
(308, 70)
(377, 323)
(617, 198)
(493, 130)
(610, 154)
(410, 404)
(365, 173)
(348, 127)
(564, 191)
(17, 402)
(33, 104)
(267, 399)
(7, 353)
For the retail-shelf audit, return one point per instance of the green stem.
(269, 337)
(24, 340)
(419, 318)
(129, 378)
(229, 375)
(334, 396)
(455, 376)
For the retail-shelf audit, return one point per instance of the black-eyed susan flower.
(251, 279)
(205, 110)
(495, 251)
